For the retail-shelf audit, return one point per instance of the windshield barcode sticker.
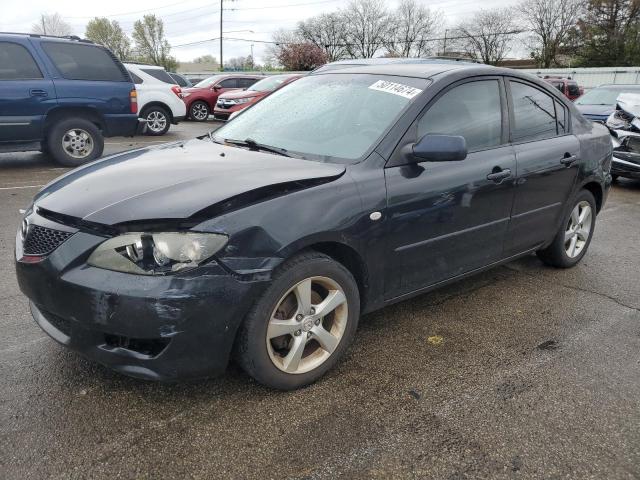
(396, 88)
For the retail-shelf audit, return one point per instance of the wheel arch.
(596, 190)
(157, 103)
(60, 113)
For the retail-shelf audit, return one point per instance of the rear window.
(159, 75)
(16, 63)
(77, 61)
(246, 82)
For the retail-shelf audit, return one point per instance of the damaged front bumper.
(154, 327)
(626, 154)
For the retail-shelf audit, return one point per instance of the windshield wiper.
(253, 145)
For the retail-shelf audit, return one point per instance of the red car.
(232, 102)
(568, 87)
(201, 98)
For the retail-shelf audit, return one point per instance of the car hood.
(241, 94)
(177, 181)
(603, 110)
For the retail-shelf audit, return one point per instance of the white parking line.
(24, 186)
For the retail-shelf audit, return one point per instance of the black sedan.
(339, 194)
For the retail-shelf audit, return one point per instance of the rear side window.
(16, 63)
(229, 83)
(534, 115)
(472, 110)
(77, 61)
(136, 79)
(159, 75)
(246, 82)
(178, 79)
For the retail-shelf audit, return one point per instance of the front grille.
(42, 241)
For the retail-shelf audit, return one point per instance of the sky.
(195, 20)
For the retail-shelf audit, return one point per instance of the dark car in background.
(202, 97)
(62, 96)
(600, 102)
(567, 86)
(234, 101)
(338, 195)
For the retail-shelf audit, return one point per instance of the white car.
(160, 100)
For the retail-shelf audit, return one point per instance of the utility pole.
(221, 61)
(444, 45)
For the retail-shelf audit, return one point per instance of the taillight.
(177, 90)
(133, 100)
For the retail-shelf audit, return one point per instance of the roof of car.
(68, 38)
(418, 70)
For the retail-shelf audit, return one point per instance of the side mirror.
(216, 87)
(439, 148)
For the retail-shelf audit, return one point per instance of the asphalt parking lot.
(521, 372)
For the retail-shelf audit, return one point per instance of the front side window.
(246, 82)
(16, 63)
(472, 110)
(77, 61)
(332, 117)
(229, 83)
(534, 115)
(159, 74)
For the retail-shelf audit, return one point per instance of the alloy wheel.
(307, 325)
(77, 143)
(578, 229)
(156, 121)
(199, 111)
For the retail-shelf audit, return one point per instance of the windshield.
(269, 83)
(207, 82)
(332, 117)
(604, 95)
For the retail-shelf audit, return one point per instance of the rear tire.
(199, 111)
(158, 120)
(574, 237)
(74, 141)
(284, 342)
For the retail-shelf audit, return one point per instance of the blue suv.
(62, 96)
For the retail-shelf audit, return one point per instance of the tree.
(281, 38)
(326, 31)
(109, 34)
(51, 24)
(301, 57)
(151, 44)
(551, 23)
(239, 63)
(410, 27)
(366, 27)
(610, 33)
(205, 59)
(487, 36)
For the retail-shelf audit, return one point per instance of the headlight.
(156, 253)
(244, 100)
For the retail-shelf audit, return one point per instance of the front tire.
(302, 325)
(199, 111)
(158, 121)
(74, 141)
(574, 237)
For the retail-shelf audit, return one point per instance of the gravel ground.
(521, 372)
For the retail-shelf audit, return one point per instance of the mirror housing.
(216, 87)
(439, 148)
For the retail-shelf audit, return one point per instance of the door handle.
(499, 175)
(38, 92)
(568, 160)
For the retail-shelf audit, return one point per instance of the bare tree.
(410, 27)
(366, 27)
(488, 35)
(51, 24)
(551, 22)
(151, 44)
(326, 31)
